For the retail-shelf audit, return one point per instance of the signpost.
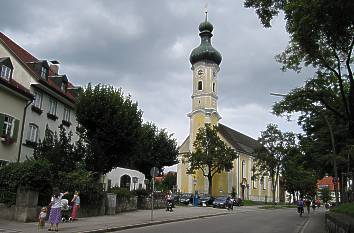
(153, 172)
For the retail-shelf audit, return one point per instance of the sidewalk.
(139, 218)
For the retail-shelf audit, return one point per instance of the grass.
(346, 208)
(267, 207)
(249, 203)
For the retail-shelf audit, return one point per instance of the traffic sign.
(154, 171)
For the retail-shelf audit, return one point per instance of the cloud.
(144, 47)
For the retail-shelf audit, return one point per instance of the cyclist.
(300, 206)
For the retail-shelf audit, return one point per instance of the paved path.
(139, 220)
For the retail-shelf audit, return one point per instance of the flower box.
(36, 110)
(52, 116)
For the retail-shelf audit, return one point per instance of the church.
(205, 61)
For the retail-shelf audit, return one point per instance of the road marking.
(303, 227)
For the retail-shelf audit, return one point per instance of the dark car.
(186, 198)
(205, 200)
(220, 202)
(238, 202)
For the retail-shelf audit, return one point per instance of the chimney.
(54, 68)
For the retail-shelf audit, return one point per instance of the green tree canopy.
(111, 123)
(156, 148)
(211, 155)
(321, 36)
(276, 145)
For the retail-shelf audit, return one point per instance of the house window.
(8, 126)
(38, 96)
(264, 183)
(66, 114)
(243, 169)
(44, 72)
(32, 133)
(200, 85)
(52, 106)
(5, 72)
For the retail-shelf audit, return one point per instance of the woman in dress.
(76, 205)
(55, 210)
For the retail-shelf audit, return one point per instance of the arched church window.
(243, 169)
(200, 85)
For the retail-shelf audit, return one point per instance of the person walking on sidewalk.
(76, 205)
(55, 210)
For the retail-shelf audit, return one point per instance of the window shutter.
(17, 126)
(2, 118)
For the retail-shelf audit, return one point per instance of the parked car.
(238, 202)
(205, 200)
(186, 198)
(220, 202)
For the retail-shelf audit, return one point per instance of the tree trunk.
(210, 180)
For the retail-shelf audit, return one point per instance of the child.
(41, 217)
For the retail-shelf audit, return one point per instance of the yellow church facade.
(205, 60)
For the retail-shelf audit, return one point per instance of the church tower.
(205, 60)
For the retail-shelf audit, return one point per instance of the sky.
(143, 47)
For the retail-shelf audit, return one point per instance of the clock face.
(200, 72)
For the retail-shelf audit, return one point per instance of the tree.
(269, 157)
(298, 176)
(211, 155)
(58, 151)
(325, 194)
(110, 125)
(321, 36)
(156, 148)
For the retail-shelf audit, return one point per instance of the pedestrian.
(76, 205)
(308, 204)
(313, 205)
(55, 210)
(41, 217)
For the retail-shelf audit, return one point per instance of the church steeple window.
(200, 85)
(213, 87)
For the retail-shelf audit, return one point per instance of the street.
(246, 220)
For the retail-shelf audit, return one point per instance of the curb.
(139, 225)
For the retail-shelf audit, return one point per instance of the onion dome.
(205, 51)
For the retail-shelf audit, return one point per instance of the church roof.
(205, 51)
(239, 141)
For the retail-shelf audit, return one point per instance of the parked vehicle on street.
(186, 198)
(205, 200)
(220, 202)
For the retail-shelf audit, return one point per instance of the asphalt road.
(245, 221)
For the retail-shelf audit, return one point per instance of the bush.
(140, 193)
(34, 174)
(83, 181)
(249, 203)
(121, 192)
(346, 208)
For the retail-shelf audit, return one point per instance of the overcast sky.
(144, 47)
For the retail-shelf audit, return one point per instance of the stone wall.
(339, 223)
(145, 203)
(125, 204)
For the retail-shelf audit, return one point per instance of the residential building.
(205, 60)
(54, 96)
(14, 99)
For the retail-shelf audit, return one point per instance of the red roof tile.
(26, 57)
